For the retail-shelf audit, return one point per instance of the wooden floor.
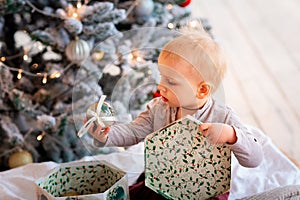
(262, 40)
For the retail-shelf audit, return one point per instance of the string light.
(41, 136)
(74, 11)
(134, 57)
(5, 58)
(78, 5)
(75, 15)
(25, 57)
(98, 55)
(44, 81)
(21, 72)
(55, 74)
(19, 76)
(171, 25)
(25, 54)
(194, 24)
(39, 45)
(169, 6)
(139, 59)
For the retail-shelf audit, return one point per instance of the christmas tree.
(59, 57)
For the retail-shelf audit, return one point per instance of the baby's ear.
(203, 90)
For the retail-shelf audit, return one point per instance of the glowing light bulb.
(44, 81)
(55, 74)
(40, 136)
(171, 25)
(25, 57)
(39, 45)
(169, 6)
(3, 59)
(98, 55)
(78, 4)
(193, 24)
(75, 15)
(139, 59)
(19, 76)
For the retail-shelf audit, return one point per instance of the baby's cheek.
(186, 94)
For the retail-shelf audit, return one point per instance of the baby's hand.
(99, 133)
(218, 133)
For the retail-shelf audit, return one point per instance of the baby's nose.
(161, 88)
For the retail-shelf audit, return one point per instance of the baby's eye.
(171, 82)
(168, 81)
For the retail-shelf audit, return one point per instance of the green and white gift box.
(84, 180)
(180, 163)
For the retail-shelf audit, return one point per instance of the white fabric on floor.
(276, 170)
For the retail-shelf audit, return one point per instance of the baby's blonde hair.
(202, 52)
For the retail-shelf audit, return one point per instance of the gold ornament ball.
(19, 158)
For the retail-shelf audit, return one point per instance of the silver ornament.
(77, 50)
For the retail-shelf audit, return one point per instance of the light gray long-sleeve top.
(158, 114)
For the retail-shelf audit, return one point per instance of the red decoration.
(156, 94)
(185, 3)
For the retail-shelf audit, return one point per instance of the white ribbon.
(96, 117)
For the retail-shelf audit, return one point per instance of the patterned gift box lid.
(180, 163)
(83, 180)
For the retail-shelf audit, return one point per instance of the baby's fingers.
(94, 128)
(101, 134)
(84, 120)
(203, 128)
(106, 130)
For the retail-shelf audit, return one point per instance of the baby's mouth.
(164, 99)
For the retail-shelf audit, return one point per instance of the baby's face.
(179, 82)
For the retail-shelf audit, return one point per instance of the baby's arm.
(247, 149)
(244, 145)
(127, 134)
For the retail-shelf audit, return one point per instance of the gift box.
(83, 180)
(180, 163)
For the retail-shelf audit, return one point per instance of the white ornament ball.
(144, 8)
(106, 111)
(19, 158)
(77, 51)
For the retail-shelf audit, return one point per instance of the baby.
(192, 67)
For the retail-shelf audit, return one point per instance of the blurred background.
(58, 57)
(262, 41)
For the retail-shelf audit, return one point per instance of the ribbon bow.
(96, 116)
